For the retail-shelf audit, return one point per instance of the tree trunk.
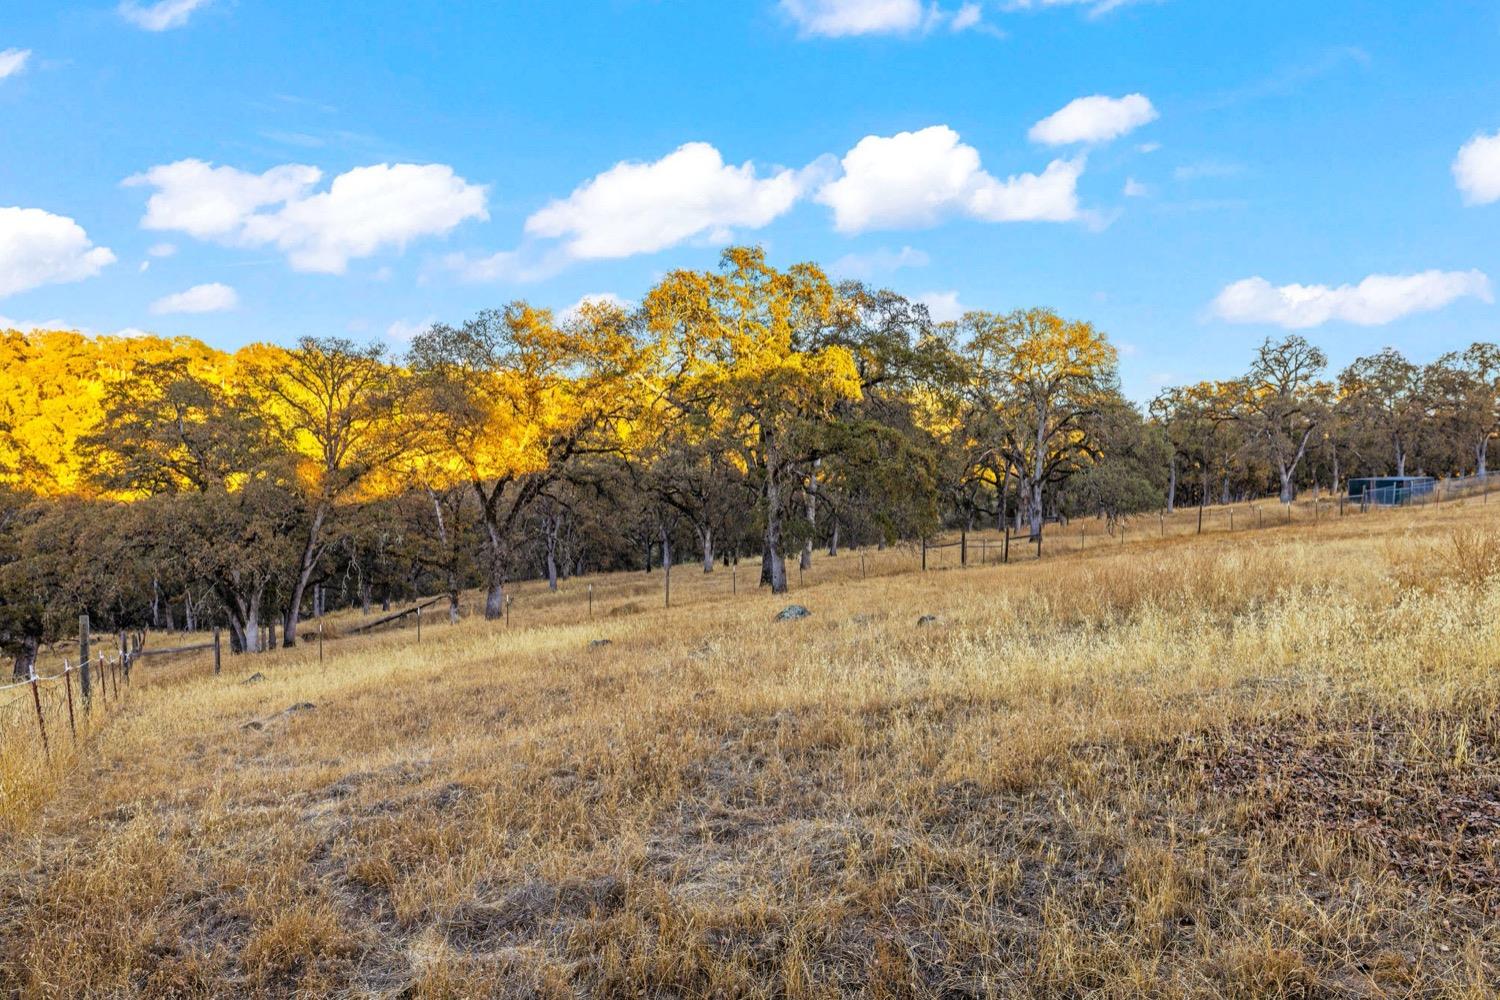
(25, 658)
(494, 597)
(1034, 511)
(810, 508)
(1481, 457)
(706, 538)
(833, 540)
(773, 563)
(1172, 486)
(244, 619)
(312, 551)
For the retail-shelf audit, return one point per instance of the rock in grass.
(597, 643)
(254, 678)
(792, 613)
(929, 620)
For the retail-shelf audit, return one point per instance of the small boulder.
(929, 620)
(597, 643)
(792, 613)
(254, 678)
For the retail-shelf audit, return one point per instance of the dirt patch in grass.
(1423, 795)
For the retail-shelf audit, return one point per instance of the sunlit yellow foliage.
(53, 385)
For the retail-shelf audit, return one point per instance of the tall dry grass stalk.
(1259, 764)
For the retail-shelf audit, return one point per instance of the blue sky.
(250, 169)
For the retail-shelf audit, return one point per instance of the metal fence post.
(41, 723)
(68, 683)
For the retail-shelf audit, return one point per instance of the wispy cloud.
(1207, 169)
(209, 298)
(1377, 300)
(13, 61)
(877, 262)
(846, 18)
(1292, 78)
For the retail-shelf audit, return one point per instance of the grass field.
(1260, 763)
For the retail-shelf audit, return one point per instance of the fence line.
(49, 699)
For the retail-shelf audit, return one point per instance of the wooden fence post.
(85, 682)
(924, 553)
(219, 653)
(1005, 553)
(963, 547)
(419, 630)
(591, 600)
(320, 643)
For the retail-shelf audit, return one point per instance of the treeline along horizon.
(741, 411)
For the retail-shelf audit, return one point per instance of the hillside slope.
(1249, 764)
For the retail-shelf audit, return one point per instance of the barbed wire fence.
(66, 707)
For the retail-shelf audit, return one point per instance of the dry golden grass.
(1258, 764)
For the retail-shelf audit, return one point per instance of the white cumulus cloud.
(1375, 301)
(943, 307)
(38, 248)
(836, 18)
(916, 179)
(405, 331)
(364, 211)
(213, 297)
(843, 18)
(568, 314)
(12, 61)
(160, 16)
(1476, 169)
(1096, 118)
(635, 208)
